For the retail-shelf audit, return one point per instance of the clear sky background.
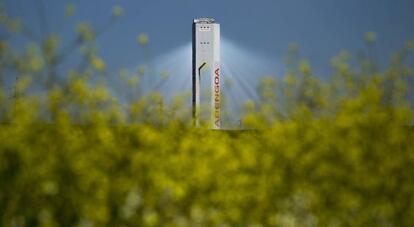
(321, 27)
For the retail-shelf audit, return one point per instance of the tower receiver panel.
(206, 78)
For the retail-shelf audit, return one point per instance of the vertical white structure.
(206, 72)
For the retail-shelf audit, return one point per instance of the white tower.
(206, 72)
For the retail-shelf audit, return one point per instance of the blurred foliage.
(117, 11)
(322, 153)
(143, 39)
(70, 10)
(370, 37)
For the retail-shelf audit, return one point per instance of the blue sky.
(256, 35)
(321, 27)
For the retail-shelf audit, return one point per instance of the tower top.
(204, 20)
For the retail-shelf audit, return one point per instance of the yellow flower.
(293, 47)
(69, 10)
(85, 31)
(98, 63)
(370, 37)
(23, 83)
(304, 67)
(117, 11)
(50, 46)
(142, 39)
(141, 70)
(101, 93)
(133, 81)
(290, 79)
(36, 63)
(409, 45)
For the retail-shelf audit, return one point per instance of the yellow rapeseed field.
(335, 152)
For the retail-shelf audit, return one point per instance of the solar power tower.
(206, 100)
